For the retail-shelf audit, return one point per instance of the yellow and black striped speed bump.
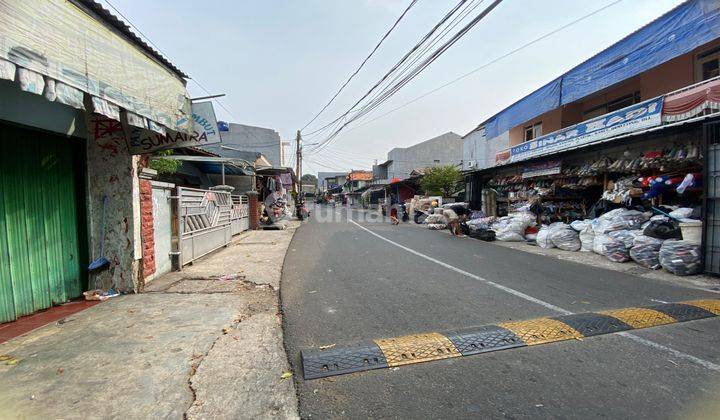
(391, 352)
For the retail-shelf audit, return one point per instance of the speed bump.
(425, 347)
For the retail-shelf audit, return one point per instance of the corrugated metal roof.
(121, 26)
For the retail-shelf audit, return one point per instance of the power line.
(197, 82)
(469, 7)
(412, 3)
(416, 71)
(493, 61)
(398, 64)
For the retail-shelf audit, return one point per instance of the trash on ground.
(99, 294)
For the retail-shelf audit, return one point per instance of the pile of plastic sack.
(680, 257)
(436, 221)
(512, 228)
(558, 235)
(623, 235)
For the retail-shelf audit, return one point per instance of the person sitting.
(455, 215)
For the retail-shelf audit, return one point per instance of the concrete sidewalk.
(202, 343)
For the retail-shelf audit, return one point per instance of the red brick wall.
(254, 211)
(146, 228)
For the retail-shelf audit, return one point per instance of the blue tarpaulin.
(542, 100)
(677, 32)
(691, 24)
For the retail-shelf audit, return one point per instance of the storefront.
(648, 169)
(75, 121)
(653, 162)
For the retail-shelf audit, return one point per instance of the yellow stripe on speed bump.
(416, 348)
(541, 330)
(640, 317)
(710, 305)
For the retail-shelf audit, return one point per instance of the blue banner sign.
(635, 117)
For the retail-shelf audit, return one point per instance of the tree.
(441, 180)
(165, 166)
(309, 179)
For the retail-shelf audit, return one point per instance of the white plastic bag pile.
(481, 223)
(435, 219)
(587, 238)
(619, 219)
(558, 235)
(564, 237)
(512, 227)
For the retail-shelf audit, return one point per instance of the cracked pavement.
(202, 343)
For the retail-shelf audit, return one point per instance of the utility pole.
(298, 171)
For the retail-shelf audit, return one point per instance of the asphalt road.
(341, 284)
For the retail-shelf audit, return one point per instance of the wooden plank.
(7, 305)
(34, 226)
(51, 212)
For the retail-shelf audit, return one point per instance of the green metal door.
(39, 252)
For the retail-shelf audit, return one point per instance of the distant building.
(323, 179)
(249, 138)
(446, 149)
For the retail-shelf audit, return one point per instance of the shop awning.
(691, 102)
(214, 165)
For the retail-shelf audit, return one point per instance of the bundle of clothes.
(621, 235)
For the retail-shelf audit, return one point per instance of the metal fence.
(203, 222)
(711, 208)
(240, 214)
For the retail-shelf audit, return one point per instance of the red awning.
(394, 180)
(689, 103)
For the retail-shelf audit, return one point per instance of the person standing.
(394, 216)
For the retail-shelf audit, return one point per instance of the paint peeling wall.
(112, 171)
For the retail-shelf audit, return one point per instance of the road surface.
(349, 278)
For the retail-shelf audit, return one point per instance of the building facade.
(74, 113)
(446, 149)
(634, 126)
(248, 138)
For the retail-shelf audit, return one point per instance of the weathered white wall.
(447, 149)
(162, 226)
(480, 151)
(113, 171)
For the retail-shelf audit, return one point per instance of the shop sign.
(551, 167)
(635, 117)
(205, 131)
(502, 157)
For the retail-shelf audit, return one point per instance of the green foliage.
(165, 166)
(441, 180)
(309, 179)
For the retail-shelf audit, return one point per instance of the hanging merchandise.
(680, 257)
(616, 251)
(646, 251)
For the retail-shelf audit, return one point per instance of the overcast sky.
(280, 61)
